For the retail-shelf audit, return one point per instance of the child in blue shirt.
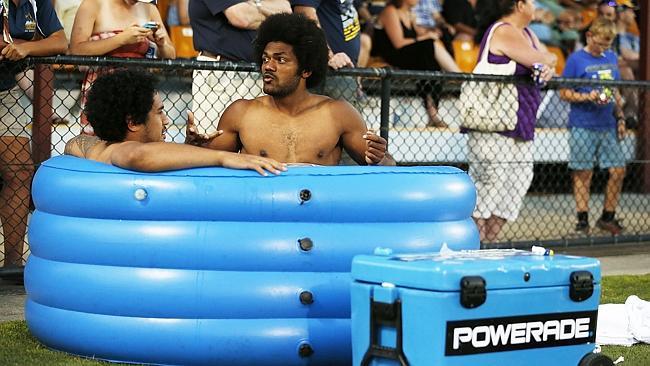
(596, 124)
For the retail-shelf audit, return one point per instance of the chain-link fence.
(418, 112)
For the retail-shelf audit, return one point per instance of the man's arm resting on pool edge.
(161, 156)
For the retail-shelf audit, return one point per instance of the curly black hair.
(117, 97)
(308, 42)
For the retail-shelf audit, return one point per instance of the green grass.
(19, 348)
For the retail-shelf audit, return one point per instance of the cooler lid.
(500, 268)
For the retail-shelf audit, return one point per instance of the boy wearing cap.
(596, 124)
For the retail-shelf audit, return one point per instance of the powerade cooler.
(482, 307)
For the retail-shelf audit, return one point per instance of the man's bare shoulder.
(340, 104)
(342, 108)
(94, 148)
(322, 102)
(242, 105)
(81, 145)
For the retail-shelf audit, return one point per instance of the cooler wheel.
(596, 359)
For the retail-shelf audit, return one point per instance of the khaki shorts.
(502, 170)
(14, 118)
(214, 91)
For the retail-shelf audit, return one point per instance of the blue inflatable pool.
(219, 266)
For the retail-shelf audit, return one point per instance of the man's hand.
(194, 138)
(15, 51)
(257, 163)
(375, 148)
(340, 60)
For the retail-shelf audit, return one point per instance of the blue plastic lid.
(501, 269)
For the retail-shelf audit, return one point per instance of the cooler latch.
(582, 285)
(390, 315)
(472, 291)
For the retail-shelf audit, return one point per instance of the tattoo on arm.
(83, 142)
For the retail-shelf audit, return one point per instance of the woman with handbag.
(499, 147)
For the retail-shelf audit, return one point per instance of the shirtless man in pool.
(128, 117)
(290, 124)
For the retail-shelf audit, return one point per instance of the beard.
(281, 91)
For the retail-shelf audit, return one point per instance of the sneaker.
(582, 228)
(612, 226)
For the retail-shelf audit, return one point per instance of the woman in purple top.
(501, 164)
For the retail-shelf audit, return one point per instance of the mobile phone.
(150, 25)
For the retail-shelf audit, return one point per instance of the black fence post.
(385, 104)
(42, 113)
(643, 137)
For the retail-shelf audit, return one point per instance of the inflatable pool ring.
(220, 266)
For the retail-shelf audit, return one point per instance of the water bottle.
(151, 51)
(537, 74)
(605, 95)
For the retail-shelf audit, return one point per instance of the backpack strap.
(486, 48)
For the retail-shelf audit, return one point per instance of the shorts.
(590, 146)
(502, 170)
(213, 91)
(14, 119)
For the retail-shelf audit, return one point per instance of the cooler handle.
(390, 315)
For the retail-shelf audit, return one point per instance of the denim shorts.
(588, 147)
